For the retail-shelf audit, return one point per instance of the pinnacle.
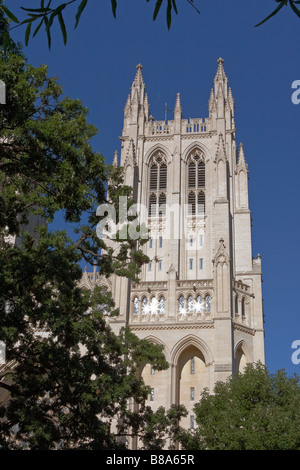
(220, 75)
(178, 104)
(138, 77)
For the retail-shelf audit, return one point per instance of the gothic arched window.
(181, 304)
(190, 303)
(207, 303)
(157, 184)
(136, 306)
(145, 302)
(196, 183)
(162, 305)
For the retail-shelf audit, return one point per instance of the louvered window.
(153, 177)
(152, 205)
(201, 175)
(163, 177)
(162, 205)
(201, 203)
(196, 183)
(158, 183)
(192, 175)
(191, 204)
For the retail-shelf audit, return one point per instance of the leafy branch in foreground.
(282, 3)
(46, 14)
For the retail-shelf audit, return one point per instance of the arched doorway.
(191, 379)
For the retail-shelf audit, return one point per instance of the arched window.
(190, 304)
(136, 306)
(157, 184)
(207, 303)
(181, 304)
(243, 308)
(199, 306)
(145, 305)
(162, 305)
(196, 184)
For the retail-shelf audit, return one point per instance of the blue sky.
(98, 65)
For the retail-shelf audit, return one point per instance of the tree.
(70, 378)
(255, 410)
(45, 14)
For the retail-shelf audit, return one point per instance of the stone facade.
(200, 295)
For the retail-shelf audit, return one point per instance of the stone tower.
(200, 295)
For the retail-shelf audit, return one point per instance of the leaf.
(156, 9)
(272, 14)
(294, 8)
(48, 31)
(38, 28)
(27, 33)
(169, 14)
(62, 27)
(175, 6)
(79, 11)
(114, 7)
(10, 14)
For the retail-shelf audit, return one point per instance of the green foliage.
(252, 411)
(70, 377)
(46, 14)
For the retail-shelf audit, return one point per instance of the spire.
(221, 78)
(115, 160)
(242, 165)
(221, 152)
(138, 85)
(178, 108)
(220, 75)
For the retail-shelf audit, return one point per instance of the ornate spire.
(115, 160)
(220, 75)
(221, 79)
(221, 152)
(178, 108)
(242, 165)
(130, 156)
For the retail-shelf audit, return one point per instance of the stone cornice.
(176, 326)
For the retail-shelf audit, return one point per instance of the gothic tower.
(200, 295)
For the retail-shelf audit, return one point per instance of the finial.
(178, 107)
(115, 160)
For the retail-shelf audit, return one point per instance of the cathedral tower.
(200, 295)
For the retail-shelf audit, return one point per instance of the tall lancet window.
(196, 183)
(158, 175)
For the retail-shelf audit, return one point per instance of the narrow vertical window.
(162, 201)
(201, 203)
(181, 304)
(243, 307)
(150, 266)
(150, 243)
(152, 205)
(162, 305)
(160, 242)
(191, 264)
(192, 422)
(192, 175)
(200, 240)
(192, 394)
(190, 304)
(191, 204)
(201, 263)
(152, 394)
(160, 265)
(145, 306)
(207, 303)
(163, 177)
(193, 365)
(153, 177)
(191, 241)
(136, 306)
(152, 370)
